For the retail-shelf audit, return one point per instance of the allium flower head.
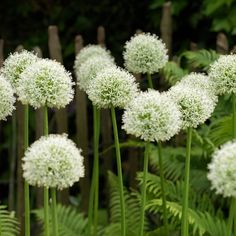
(223, 74)
(45, 83)
(222, 170)
(89, 69)
(145, 53)
(196, 105)
(91, 51)
(152, 117)
(15, 64)
(7, 98)
(53, 161)
(201, 82)
(112, 87)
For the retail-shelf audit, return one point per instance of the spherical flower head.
(152, 116)
(145, 53)
(45, 83)
(223, 74)
(196, 105)
(53, 161)
(112, 87)
(90, 51)
(222, 170)
(15, 64)
(7, 98)
(89, 69)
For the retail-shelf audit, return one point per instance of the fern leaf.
(173, 73)
(9, 226)
(200, 59)
(70, 222)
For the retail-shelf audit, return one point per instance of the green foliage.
(202, 222)
(70, 221)
(200, 59)
(173, 73)
(9, 226)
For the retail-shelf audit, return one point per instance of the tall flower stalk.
(45, 189)
(144, 187)
(26, 185)
(184, 223)
(94, 191)
(152, 116)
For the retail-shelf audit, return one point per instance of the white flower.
(223, 74)
(53, 161)
(7, 98)
(145, 53)
(15, 64)
(45, 83)
(89, 69)
(112, 87)
(152, 117)
(222, 170)
(196, 105)
(201, 82)
(90, 51)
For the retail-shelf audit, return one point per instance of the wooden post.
(166, 26)
(82, 132)
(222, 45)
(61, 114)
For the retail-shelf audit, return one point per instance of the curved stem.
(150, 84)
(184, 225)
(163, 189)
(94, 190)
(54, 212)
(119, 170)
(144, 186)
(26, 185)
(45, 190)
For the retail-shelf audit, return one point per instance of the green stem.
(26, 185)
(119, 170)
(96, 166)
(45, 191)
(94, 191)
(231, 217)
(163, 189)
(54, 212)
(144, 186)
(150, 84)
(184, 225)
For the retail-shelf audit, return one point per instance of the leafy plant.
(9, 226)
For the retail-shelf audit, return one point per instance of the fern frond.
(173, 72)
(202, 222)
(9, 226)
(70, 221)
(200, 59)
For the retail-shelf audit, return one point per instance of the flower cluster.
(199, 81)
(15, 64)
(91, 51)
(145, 53)
(152, 117)
(196, 105)
(53, 161)
(222, 170)
(7, 98)
(112, 87)
(223, 74)
(89, 69)
(45, 83)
